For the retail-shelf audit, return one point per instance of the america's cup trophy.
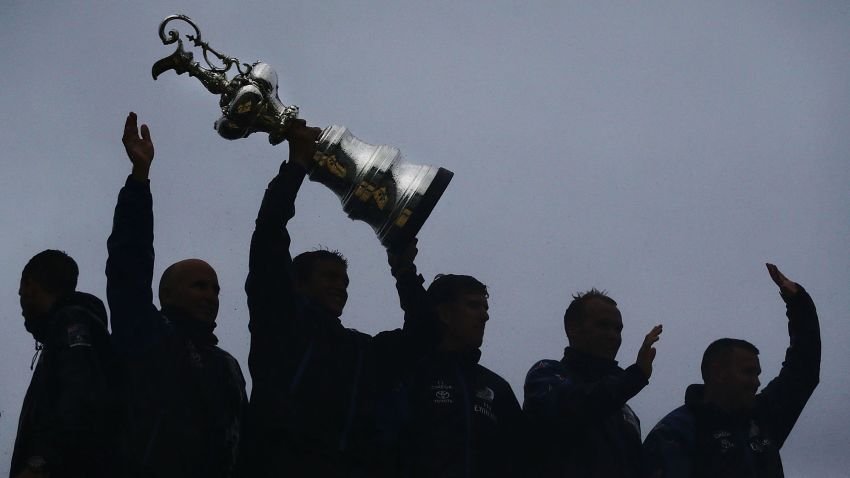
(374, 183)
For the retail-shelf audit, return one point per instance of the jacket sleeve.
(420, 315)
(129, 269)
(555, 400)
(516, 449)
(70, 433)
(669, 447)
(783, 399)
(400, 348)
(270, 286)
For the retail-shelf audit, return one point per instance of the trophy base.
(399, 238)
(376, 185)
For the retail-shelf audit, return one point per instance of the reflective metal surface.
(377, 185)
(374, 183)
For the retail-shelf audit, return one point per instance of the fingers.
(774, 273)
(404, 252)
(146, 133)
(411, 249)
(130, 128)
(777, 276)
(654, 335)
(786, 285)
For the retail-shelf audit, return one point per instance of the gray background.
(660, 150)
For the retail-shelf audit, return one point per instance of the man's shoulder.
(547, 364)
(221, 354)
(492, 383)
(354, 334)
(681, 421)
(548, 368)
(490, 376)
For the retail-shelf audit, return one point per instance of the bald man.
(184, 396)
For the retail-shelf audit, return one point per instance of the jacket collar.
(464, 357)
(589, 366)
(199, 332)
(695, 401)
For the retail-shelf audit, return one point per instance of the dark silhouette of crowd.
(158, 398)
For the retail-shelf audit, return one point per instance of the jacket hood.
(40, 328)
(694, 394)
(85, 300)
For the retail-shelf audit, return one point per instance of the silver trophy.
(374, 183)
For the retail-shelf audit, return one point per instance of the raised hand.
(139, 148)
(787, 287)
(646, 354)
(401, 259)
(302, 143)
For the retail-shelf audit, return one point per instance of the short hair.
(304, 263)
(719, 351)
(53, 270)
(575, 311)
(448, 287)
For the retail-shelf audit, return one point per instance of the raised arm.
(129, 267)
(419, 334)
(785, 396)
(270, 286)
(419, 312)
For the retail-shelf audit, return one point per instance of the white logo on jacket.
(442, 392)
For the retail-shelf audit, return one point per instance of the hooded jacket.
(68, 410)
(184, 397)
(580, 419)
(699, 440)
(464, 421)
(316, 385)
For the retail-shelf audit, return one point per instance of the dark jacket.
(698, 440)
(316, 385)
(465, 421)
(68, 410)
(579, 416)
(184, 397)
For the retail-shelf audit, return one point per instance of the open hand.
(787, 287)
(139, 149)
(646, 354)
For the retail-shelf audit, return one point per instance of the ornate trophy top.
(249, 101)
(374, 183)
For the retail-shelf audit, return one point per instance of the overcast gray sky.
(661, 150)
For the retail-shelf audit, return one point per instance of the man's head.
(593, 324)
(47, 277)
(191, 288)
(322, 277)
(730, 370)
(462, 310)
